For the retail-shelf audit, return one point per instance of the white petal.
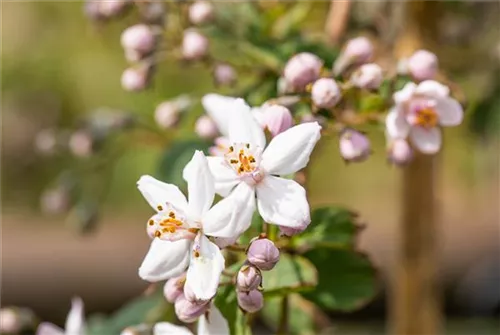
(450, 112)
(231, 216)
(427, 141)
(47, 328)
(158, 193)
(205, 270)
(283, 202)
(405, 94)
(220, 109)
(75, 321)
(201, 189)
(166, 328)
(289, 151)
(396, 125)
(225, 177)
(216, 324)
(243, 128)
(431, 88)
(165, 259)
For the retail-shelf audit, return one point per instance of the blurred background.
(57, 66)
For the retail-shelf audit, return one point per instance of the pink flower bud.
(251, 301)
(357, 51)
(249, 278)
(14, 320)
(263, 254)
(135, 79)
(367, 76)
(325, 93)
(167, 114)
(205, 127)
(55, 201)
(188, 311)
(153, 11)
(46, 142)
(287, 231)
(201, 12)
(354, 146)
(81, 144)
(194, 45)
(399, 152)
(110, 8)
(189, 295)
(302, 69)
(139, 37)
(224, 74)
(423, 65)
(174, 288)
(276, 118)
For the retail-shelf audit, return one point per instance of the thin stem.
(236, 248)
(337, 18)
(285, 310)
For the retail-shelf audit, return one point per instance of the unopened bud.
(110, 8)
(55, 201)
(301, 70)
(174, 287)
(368, 76)
(14, 320)
(205, 127)
(251, 301)
(423, 65)
(201, 12)
(287, 231)
(263, 254)
(189, 295)
(139, 38)
(283, 86)
(153, 11)
(188, 311)
(357, 51)
(249, 278)
(194, 45)
(81, 143)
(46, 142)
(354, 146)
(325, 93)
(141, 329)
(276, 119)
(167, 114)
(135, 79)
(399, 152)
(224, 74)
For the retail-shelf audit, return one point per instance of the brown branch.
(336, 20)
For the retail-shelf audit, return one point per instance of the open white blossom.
(75, 322)
(179, 229)
(214, 324)
(247, 171)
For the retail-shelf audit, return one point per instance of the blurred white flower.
(75, 322)
(214, 324)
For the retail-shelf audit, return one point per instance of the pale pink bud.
(153, 11)
(357, 51)
(167, 114)
(368, 76)
(174, 288)
(325, 93)
(14, 320)
(201, 12)
(205, 127)
(139, 37)
(135, 79)
(263, 254)
(81, 143)
(249, 278)
(188, 311)
(55, 201)
(354, 146)
(302, 69)
(399, 152)
(110, 8)
(194, 45)
(251, 301)
(46, 142)
(423, 65)
(277, 119)
(224, 74)
(287, 231)
(283, 86)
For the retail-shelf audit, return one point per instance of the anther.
(151, 222)
(196, 253)
(160, 208)
(231, 149)
(157, 233)
(172, 215)
(248, 145)
(234, 161)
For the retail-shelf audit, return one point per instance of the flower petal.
(450, 112)
(433, 89)
(205, 268)
(47, 328)
(396, 125)
(283, 202)
(243, 128)
(220, 109)
(231, 216)
(225, 177)
(405, 94)
(427, 141)
(158, 193)
(75, 322)
(165, 259)
(166, 328)
(215, 324)
(289, 151)
(201, 188)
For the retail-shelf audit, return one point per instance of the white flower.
(75, 322)
(179, 227)
(247, 170)
(214, 324)
(419, 111)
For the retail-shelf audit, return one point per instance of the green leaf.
(372, 102)
(330, 227)
(347, 279)
(175, 158)
(227, 303)
(291, 19)
(291, 274)
(262, 56)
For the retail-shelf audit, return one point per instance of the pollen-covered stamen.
(243, 158)
(170, 224)
(426, 117)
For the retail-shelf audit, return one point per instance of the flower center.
(426, 117)
(170, 224)
(243, 158)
